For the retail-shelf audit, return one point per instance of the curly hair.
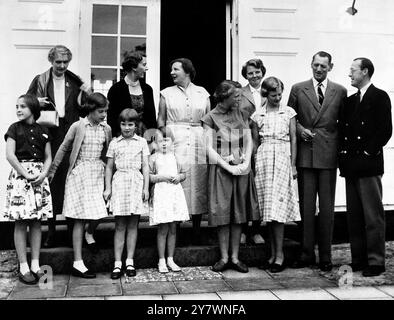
(257, 63)
(270, 84)
(187, 66)
(59, 49)
(225, 89)
(131, 59)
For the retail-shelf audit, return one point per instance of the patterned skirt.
(25, 201)
(83, 197)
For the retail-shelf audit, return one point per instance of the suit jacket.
(42, 86)
(364, 128)
(247, 103)
(73, 142)
(119, 99)
(321, 152)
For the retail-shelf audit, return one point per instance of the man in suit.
(61, 89)
(365, 126)
(253, 71)
(317, 102)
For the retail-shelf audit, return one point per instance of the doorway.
(194, 29)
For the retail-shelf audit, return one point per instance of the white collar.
(324, 83)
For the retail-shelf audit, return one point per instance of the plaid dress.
(276, 188)
(127, 182)
(83, 197)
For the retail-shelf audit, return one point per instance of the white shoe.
(173, 266)
(162, 268)
(243, 238)
(258, 239)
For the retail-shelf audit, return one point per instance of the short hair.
(187, 66)
(129, 114)
(131, 59)
(322, 54)
(257, 63)
(33, 104)
(166, 133)
(271, 84)
(94, 101)
(225, 89)
(59, 49)
(365, 63)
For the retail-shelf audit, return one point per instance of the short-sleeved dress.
(23, 201)
(128, 181)
(276, 188)
(185, 108)
(83, 197)
(231, 199)
(169, 202)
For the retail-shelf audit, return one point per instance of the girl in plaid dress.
(127, 188)
(274, 128)
(28, 197)
(169, 201)
(88, 141)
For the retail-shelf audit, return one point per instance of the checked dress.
(274, 182)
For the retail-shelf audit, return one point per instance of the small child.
(88, 141)
(28, 197)
(128, 154)
(169, 202)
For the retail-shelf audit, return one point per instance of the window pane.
(127, 44)
(133, 20)
(102, 79)
(104, 51)
(105, 19)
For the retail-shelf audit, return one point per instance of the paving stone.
(303, 294)
(199, 286)
(192, 296)
(254, 284)
(306, 282)
(248, 295)
(6, 286)
(253, 273)
(94, 290)
(357, 293)
(387, 289)
(23, 291)
(101, 278)
(155, 288)
(77, 298)
(136, 297)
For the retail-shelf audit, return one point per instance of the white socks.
(24, 268)
(35, 265)
(89, 238)
(129, 262)
(162, 262)
(118, 264)
(79, 265)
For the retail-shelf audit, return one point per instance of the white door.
(108, 28)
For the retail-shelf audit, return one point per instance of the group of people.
(237, 161)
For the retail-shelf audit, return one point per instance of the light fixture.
(352, 10)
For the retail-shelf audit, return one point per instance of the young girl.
(88, 140)
(129, 155)
(275, 128)
(169, 202)
(28, 197)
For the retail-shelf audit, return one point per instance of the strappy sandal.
(130, 271)
(116, 273)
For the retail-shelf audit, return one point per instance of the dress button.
(32, 138)
(35, 154)
(345, 138)
(362, 123)
(358, 138)
(33, 146)
(346, 124)
(31, 130)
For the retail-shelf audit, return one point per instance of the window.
(115, 29)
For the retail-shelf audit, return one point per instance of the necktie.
(357, 100)
(320, 93)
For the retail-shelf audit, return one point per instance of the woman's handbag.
(49, 118)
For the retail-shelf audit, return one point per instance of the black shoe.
(276, 267)
(116, 273)
(265, 266)
(93, 247)
(220, 266)
(325, 266)
(240, 267)
(27, 278)
(358, 266)
(373, 271)
(130, 271)
(86, 275)
(37, 275)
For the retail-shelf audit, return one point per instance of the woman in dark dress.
(132, 92)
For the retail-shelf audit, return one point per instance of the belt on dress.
(185, 123)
